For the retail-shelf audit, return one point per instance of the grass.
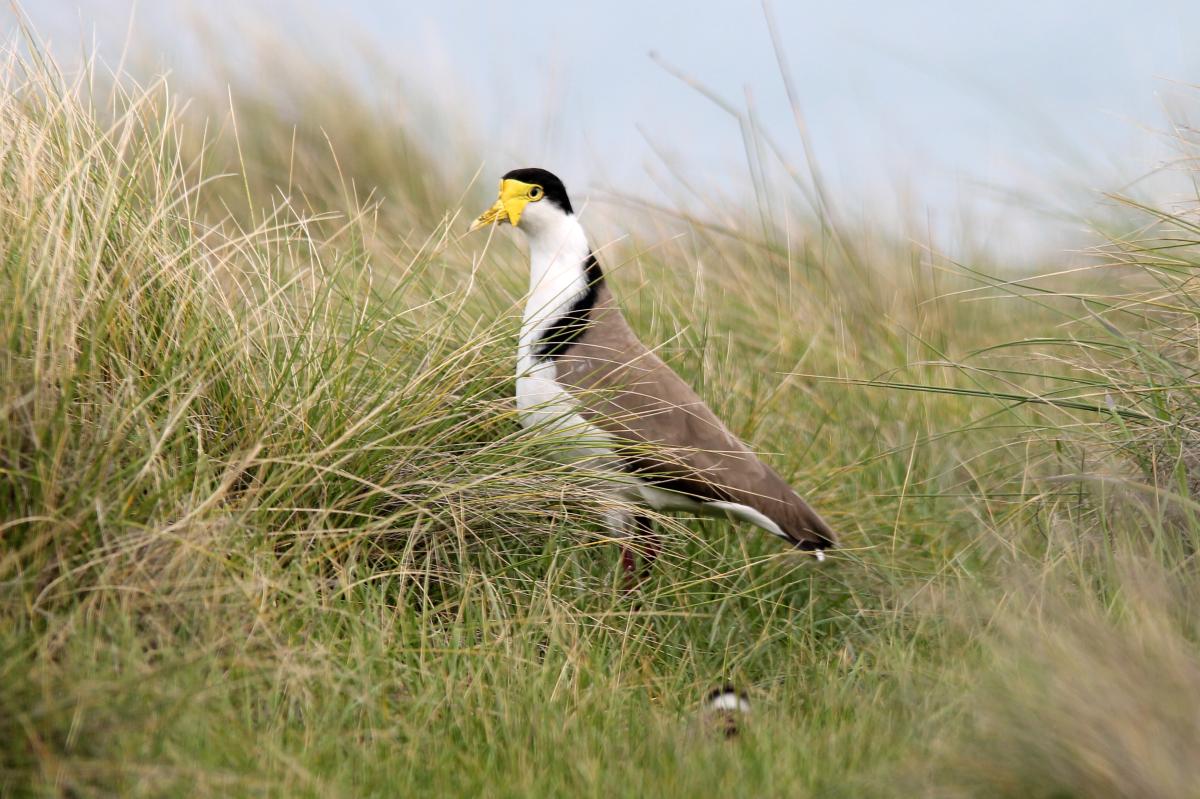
(270, 528)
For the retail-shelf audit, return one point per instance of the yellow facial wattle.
(514, 196)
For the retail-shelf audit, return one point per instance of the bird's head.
(530, 199)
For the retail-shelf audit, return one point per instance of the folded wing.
(669, 436)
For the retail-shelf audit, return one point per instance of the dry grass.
(269, 526)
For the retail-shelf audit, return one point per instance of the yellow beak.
(514, 196)
(496, 213)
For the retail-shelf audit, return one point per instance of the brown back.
(671, 436)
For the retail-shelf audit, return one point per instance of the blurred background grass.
(269, 526)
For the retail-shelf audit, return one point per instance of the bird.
(583, 371)
(725, 709)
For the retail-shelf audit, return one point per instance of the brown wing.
(671, 436)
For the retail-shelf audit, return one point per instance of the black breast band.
(564, 330)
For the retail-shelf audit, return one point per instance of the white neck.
(558, 251)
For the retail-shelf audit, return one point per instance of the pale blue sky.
(947, 105)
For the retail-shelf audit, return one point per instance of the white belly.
(543, 404)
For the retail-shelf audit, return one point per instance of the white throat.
(558, 251)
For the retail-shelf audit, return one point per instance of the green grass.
(269, 526)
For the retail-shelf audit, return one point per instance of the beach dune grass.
(269, 526)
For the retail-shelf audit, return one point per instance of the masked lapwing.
(582, 370)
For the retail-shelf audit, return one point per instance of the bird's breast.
(544, 404)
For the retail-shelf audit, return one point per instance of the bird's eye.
(535, 193)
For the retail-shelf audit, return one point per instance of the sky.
(945, 109)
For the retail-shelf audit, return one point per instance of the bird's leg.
(619, 523)
(651, 546)
(629, 566)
